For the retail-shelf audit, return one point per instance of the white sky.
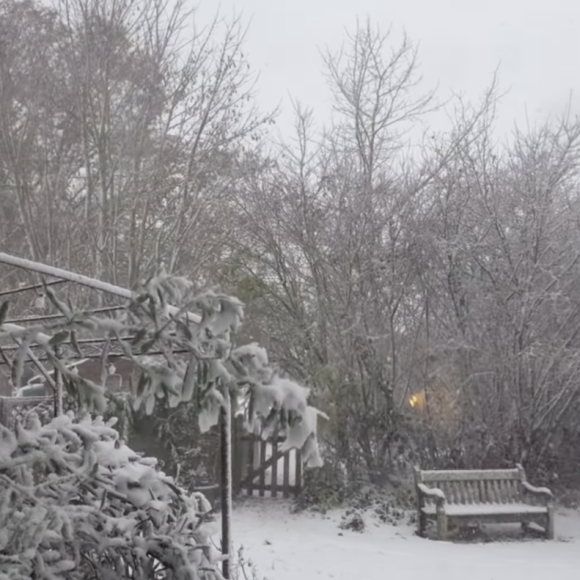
(536, 44)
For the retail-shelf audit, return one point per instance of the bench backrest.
(476, 486)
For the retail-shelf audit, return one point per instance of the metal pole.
(226, 482)
(58, 391)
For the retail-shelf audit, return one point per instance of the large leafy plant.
(80, 503)
(76, 503)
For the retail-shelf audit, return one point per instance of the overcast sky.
(535, 43)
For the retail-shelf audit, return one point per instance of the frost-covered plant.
(184, 346)
(76, 503)
(275, 402)
(353, 520)
(83, 505)
(323, 489)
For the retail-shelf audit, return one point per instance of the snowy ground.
(287, 546)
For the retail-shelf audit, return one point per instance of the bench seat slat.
(458, 510)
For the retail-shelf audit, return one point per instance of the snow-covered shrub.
(389, 512)
(277, 403)
(353, 520)
(323, 489)
(77, 503)
(389, 504)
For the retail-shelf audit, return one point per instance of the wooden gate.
(261, 469)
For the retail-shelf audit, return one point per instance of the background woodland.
(427, 288)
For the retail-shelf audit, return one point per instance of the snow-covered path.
(286, 546)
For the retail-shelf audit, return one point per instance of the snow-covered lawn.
(287, 546)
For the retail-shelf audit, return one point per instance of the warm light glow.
(413, 400)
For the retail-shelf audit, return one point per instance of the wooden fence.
(261, 469)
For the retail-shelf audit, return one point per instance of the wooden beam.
(263, 466)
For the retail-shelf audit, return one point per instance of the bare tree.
(375, 89)
(498, 284)
(326, 239)
(334, 247)
(123, 133)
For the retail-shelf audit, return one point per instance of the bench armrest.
(433, 492)
(539, 491)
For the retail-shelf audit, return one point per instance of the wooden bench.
(481, 496)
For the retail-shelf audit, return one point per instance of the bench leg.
(550, 523)
(441, 525)
(421, 523)
(525, 527)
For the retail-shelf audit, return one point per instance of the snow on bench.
(483, 496)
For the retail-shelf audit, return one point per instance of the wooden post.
(263, 449)
(441, 523)
(274, 471)
(250, 441)
(298, 472)
(226, 482)
(550, 522)
(286, 475)
(421, 517)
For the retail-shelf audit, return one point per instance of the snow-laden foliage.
(184, 346)
(76, 503)
(275, 403)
